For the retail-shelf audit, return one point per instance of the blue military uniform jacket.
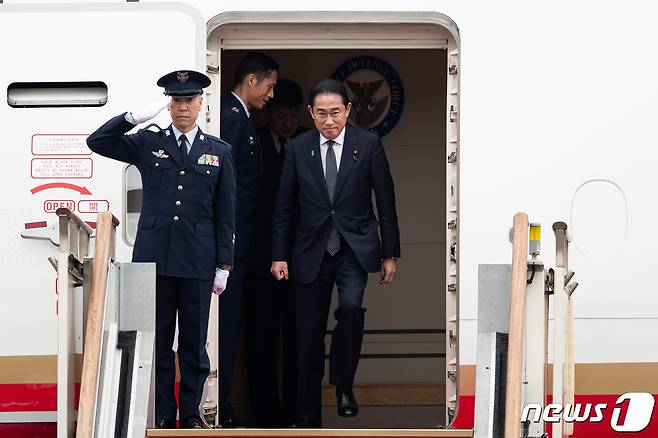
(237, 130)
(187, 220)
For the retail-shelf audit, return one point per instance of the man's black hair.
(328, 86)
(257, 63)
(287, 93)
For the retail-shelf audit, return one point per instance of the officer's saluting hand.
(186, 227)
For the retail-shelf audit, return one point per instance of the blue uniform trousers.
(230, 317)
(190, 299)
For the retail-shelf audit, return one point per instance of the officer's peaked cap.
(184, 83)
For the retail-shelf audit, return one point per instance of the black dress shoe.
(231, 422)
(228, 419)
(165, 424)
(307, 424)
(346, 404)
(192, 422)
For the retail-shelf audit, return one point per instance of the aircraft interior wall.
(403, 360)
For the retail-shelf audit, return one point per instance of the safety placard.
(93, 205)
(61, 168)
(60, 144)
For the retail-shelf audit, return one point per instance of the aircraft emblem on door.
(376, 92)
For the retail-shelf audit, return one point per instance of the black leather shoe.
(192, 422)
(165, 424)
(230, 422)
(307, 424)
(346, 404)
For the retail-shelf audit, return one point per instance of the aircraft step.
(334, 433)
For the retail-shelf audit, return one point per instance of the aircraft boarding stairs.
(116, 388)
(118, 329)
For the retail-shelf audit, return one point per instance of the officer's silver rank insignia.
(235, 109)
(183, 76)
(160, 154)
(208, 160)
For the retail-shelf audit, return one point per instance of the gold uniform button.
(180, 188)
(175, 218)
(182, 172)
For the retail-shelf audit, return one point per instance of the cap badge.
(183, 76)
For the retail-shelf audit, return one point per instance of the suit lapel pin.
(201, 137)
(355, 154)
(167, 132)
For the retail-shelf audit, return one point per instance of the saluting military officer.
(255, 78)
(186, 227)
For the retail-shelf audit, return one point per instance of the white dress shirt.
(338, 150)
(277, 143)
(190, 135)
(246, 110)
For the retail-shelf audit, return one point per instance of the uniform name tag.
(209, 160)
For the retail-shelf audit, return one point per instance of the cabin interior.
(400, 382)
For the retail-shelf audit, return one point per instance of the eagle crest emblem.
(183, 76)
(376, 92)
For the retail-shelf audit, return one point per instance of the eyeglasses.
(321, 115)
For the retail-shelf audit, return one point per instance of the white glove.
(147, 113)
(221, 277)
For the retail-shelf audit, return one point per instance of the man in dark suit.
(270, 305)
(186, 227)
(328, 179)
(255, 78)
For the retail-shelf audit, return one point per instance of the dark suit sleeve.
(110, 140)
(285, 209)
(232, 132)
(382, 182)
(225, 198)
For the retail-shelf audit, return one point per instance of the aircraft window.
(599, 219)
(56, 94)
(132, 183)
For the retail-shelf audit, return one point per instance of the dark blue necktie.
(331, 175)
(183, 147)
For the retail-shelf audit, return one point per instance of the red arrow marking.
(60, 185)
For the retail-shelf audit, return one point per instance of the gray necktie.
(183, 147)
(331, 174)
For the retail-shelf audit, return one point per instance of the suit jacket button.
(175, 218)
(181, 173)
(177, 203)
(180, 188)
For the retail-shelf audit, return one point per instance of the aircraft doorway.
(401, 380)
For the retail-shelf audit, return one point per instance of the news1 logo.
(639, 410)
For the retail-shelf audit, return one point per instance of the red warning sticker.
(60, 144)
(51, 205)
(62, 168)
(93, 205)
